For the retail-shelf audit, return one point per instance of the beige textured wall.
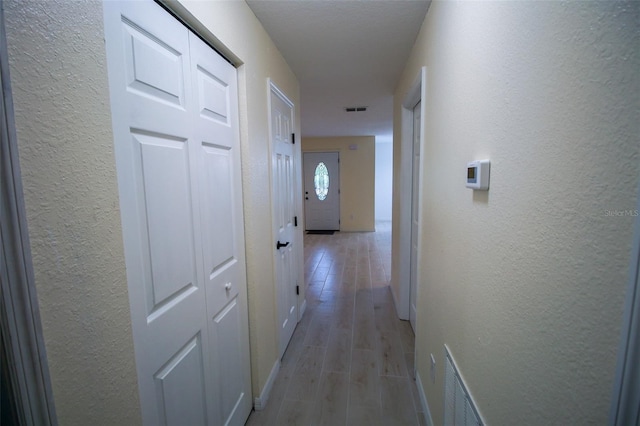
(63, 121)
(357, 178)
(525, 283)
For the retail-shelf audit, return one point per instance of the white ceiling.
(345, 53)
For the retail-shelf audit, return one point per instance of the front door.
(175, 123)
(322, 190)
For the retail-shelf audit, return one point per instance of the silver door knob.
(227, 286)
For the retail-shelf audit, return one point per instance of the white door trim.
(416, 195)
(415, 94)
(23, 340)
(625, 403)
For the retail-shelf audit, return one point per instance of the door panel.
(174, 107)
(144, 53)
(283, 164)
(213, 96)
(218, 207)
(225, 331)
(322, 211)
(185, 370)
(165, 215)
(163, 95)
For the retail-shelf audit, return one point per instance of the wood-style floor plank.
(350, 360)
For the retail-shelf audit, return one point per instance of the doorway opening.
(405, 296)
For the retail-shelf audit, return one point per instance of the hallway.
(350, 360)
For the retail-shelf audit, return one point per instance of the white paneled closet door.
(174, 106)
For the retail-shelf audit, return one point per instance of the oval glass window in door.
(321, 181)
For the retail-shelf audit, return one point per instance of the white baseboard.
(260, 402)
(395, 303)
(423, 400)
(303, 308)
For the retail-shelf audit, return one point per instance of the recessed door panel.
(280, 195)
(218, 206)
(213, 97)
(145, 55)
(164, 179)
(225, 331)
(288, 194)
(180, 387)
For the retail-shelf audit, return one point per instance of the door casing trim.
(22, 335)
(415, 94)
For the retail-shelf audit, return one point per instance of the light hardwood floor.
(350, 360)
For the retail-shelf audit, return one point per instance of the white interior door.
(284, 212)
(415, 194)
(174, 107)
(322, 190)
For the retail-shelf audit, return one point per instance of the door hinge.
(295, 221)
(293, 138)
(297, 289)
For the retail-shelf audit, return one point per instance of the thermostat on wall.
(478, 175)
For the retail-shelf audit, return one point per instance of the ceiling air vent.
(356, 109)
